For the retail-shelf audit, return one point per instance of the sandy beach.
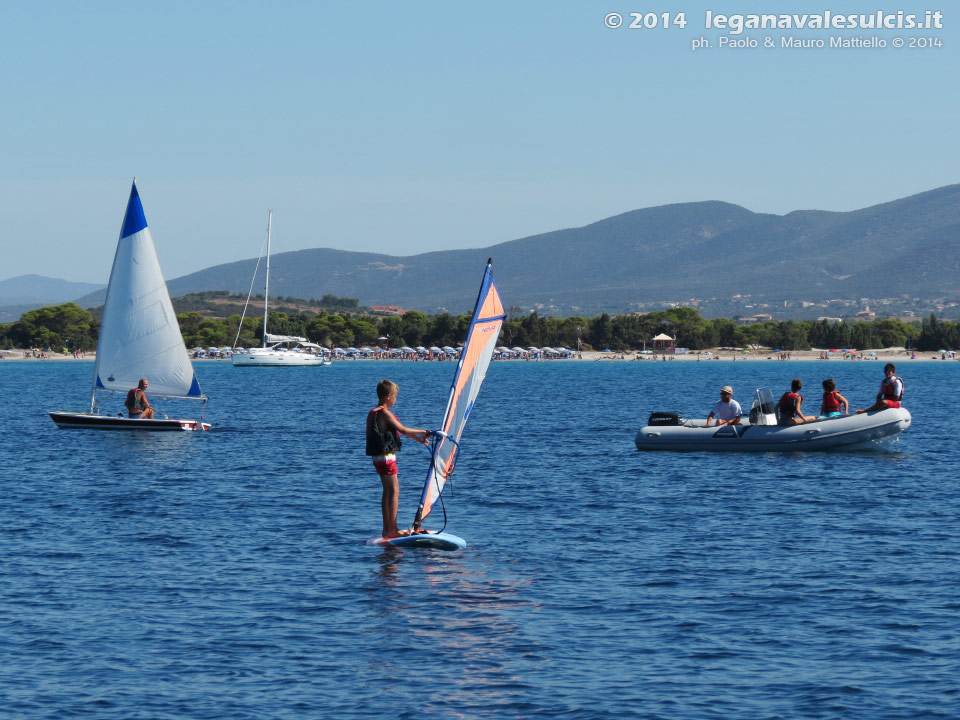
(893, 355)
(715, 355)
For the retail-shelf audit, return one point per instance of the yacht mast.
(266, 284)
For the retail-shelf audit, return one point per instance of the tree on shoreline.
(57, 326)
(70, 326)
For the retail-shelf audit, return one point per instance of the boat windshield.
(763, 410)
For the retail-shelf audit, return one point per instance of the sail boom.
(165, 396)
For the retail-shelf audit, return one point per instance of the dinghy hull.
(827, 434)
(86, 421)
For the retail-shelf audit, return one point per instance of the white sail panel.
(139, 333)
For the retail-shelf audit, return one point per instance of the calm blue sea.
(225, 575)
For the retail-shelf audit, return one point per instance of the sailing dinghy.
(488, 316)
(139, 336)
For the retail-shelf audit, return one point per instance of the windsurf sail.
(139, 333)
(488, 316)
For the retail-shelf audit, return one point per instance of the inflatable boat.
(760, 432)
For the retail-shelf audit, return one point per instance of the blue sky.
(404, 128)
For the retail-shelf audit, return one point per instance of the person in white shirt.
(727, 410)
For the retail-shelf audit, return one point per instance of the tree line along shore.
(68, 327)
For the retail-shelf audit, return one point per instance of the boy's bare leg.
(390, 505)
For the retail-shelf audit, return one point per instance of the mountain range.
(26, 289)
(672, 252)
(26, 292)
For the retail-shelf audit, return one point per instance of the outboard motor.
(661, 419)
(764, 408)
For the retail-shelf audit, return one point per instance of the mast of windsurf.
(266, 284)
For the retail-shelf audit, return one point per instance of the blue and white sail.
(139, 333)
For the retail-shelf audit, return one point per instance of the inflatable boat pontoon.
(760, 433)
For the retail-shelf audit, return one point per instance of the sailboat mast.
(266, 284)
(96, 367)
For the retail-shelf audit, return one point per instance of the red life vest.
(830, 402)
(889, 388)
(788, 405)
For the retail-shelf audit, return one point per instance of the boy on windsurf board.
(383, 442)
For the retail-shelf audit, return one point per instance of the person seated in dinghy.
(834, 404)
(790, 406)
(891, 390)
(137, 403)
(727, 410)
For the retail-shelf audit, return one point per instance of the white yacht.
(278, 350)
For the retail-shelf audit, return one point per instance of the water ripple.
(224, 575)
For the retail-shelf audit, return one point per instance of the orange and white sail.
(488, 316)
